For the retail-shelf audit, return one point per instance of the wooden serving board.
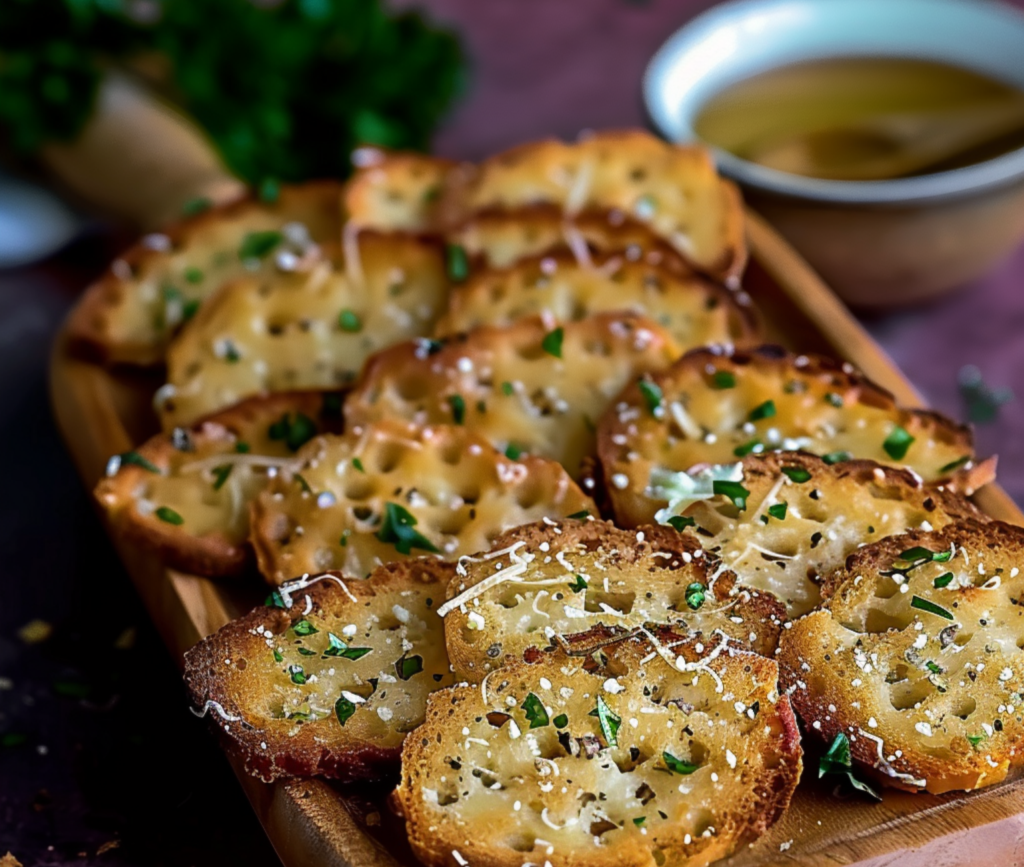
(312, 822)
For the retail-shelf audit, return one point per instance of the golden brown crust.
(502, 779)
(694, 310)
(395, 191)
(802, 517)
(513, 385)
(332, 511)
(205, 480)
(551, 580)
(129, 314)
(277, 705)
(804, 402)
(915, 656)
(309, 329)
(673, 190)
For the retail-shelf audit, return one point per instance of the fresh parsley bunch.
(284, 88)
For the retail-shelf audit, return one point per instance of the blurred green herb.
(981, 401)
(284, 89)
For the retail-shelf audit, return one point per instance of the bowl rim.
(977, 178)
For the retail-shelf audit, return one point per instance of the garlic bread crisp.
(717, 405)
(695, 311)
(186, 494)
(394, 191)
(672, 190)
(391, 490)
(533, 387)
(130, 314)
(636, 755)
(329, 677)
(545, 581)
(916, 658)
(791, 518)
(303, 330)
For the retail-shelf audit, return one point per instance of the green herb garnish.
(275, 600)
(836, 457)
(169, 516)
(678, 766)
(135, 459)
(350, 322)
(639, 820)
(897, 443)
(408, 666)
(696, 593)
(195, 206)
(561, 721)
(193, 275)
(458, 405)
(580, 515)
(943, 580)
(651, 393)
(513, 452)
(344, 709)
(925, 605)
(765, 410)
(608, 721)
(552, 342)
(295, 433)
(834, 399)
(457, 262)
(955, 465)
(256, 245)
(578, 585)
(733, 490)
(304, 627)
(838, 761)
(745, 449)
(397, 529)
(297, 674)
(721, 379)
(778, 511)
(220, 475)
(507, 389)
(269, 191)
(974, 740)
(681, 522)
(796, 474)
(535, 712)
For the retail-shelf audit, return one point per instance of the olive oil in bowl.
(865, 118)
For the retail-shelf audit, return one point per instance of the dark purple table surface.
(100, 761)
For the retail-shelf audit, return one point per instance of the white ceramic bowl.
(925, 234)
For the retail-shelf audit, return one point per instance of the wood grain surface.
(311, 822)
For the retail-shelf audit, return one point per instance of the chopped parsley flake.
(196, 206)
(913, 557)
(135, 459)
(535, 712)
(561, 721)
(797, 474)
(580, 515)
(304, 627)
(220, 475)
(608, 720)
(169, 516)
(269, 190)
(294, 433)
(696, 593)
(778, 511)
(552, 342)
(943, 580)
(745, 449)
(678, 766)
(837, 761)
(955, 465)
(242, 447)
(765, 410)
(926, 605)
(507, 389)
(836, 457)
(358, 464)
(651, 392)
(408, 666)
(579, 584)
(256, 245)
(681, 522)
(340, 649)
(975, 740)
(398, 529)
(193, 275)
(723, 379)
(275, 600)
(897, 443)
(458, 405)
(458, 263)
(344, 709)
(835, 399)
(639, 820)
(733, 490)
(350, 322)
(298, 675)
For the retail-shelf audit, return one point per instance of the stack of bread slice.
(555, 542)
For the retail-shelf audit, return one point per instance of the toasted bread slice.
(499, 238)
(533, 386)
(915, 656)
(544, 581)
(303, 330)
(671, 189)
(716, 405)
(797, 518)
(634, 756)
(329, 677)
(695, 311)
(130, 314)
(394, 191)
(187, 494)
(392, 490)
